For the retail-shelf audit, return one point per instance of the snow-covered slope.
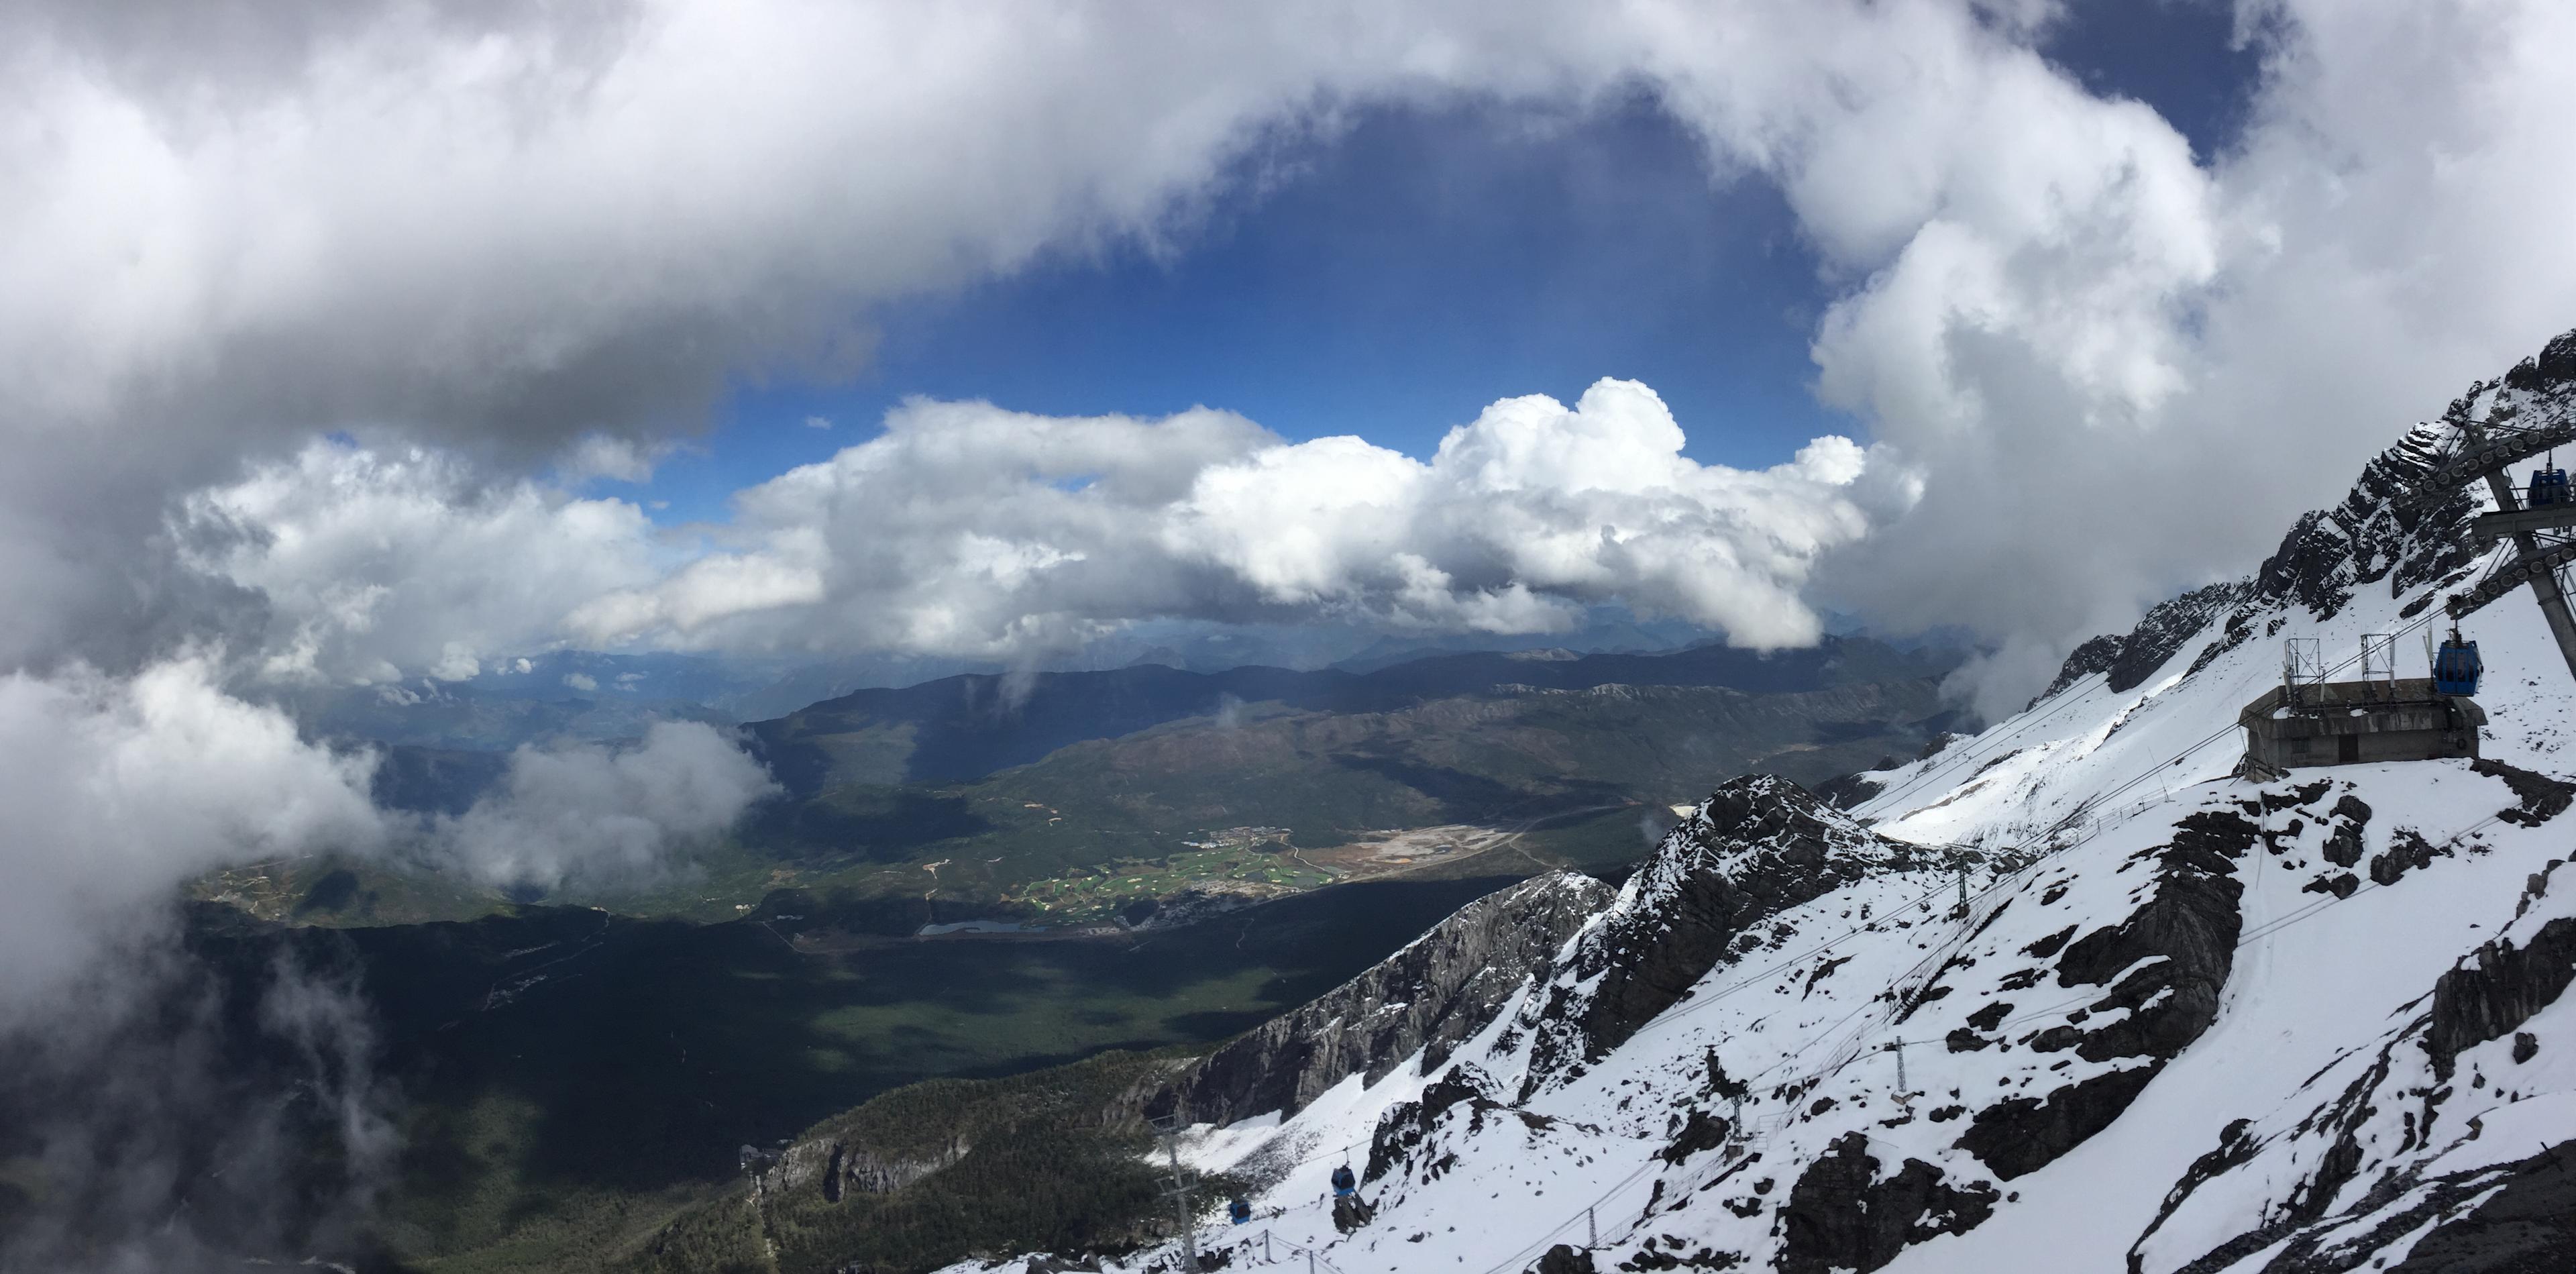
(2066, 996)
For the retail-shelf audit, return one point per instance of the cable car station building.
(2307, 720)
(2304, 722)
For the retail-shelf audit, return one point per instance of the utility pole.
(1899, 1048)
(1591, 1232)
(1185, 1210)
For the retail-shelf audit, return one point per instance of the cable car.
(1240, 1210)
(1345, 1181)
(2456, 665)
(2548, 487)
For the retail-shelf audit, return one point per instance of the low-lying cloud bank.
(596, 817)
(965, 529)
(116, 791)
(113, 791)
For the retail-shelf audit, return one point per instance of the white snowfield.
(2335, 1122)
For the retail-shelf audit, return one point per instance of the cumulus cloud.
(599, 817)
(965, 529)
(2119, 373)
(374, 565)
(552, 233)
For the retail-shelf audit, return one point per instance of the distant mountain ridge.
(966, 727)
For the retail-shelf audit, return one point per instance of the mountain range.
(2078, 991)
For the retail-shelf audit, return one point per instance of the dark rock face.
(2530, 1225)
(1565, 1259)
(2385, 532)
(2407, 851)
(2097, 654)
(1759, 846)
(2343, 845)
(1350, 1212)
(1702, 1131)
(2025, 1134)
(2541, 797)
(2181, 944)
(837, 1169)
(2478, 1002)
(1841, 1216)
(2160, 635)
(2191, 922)
(2556, 365)
(1406, 1127)
(2526, 1227)
(1429, 996)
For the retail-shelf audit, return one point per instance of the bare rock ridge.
(2380, 532)
(1758, 846)
(1429, 997)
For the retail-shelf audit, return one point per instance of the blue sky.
(1392, 280)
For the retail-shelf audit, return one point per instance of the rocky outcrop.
(1427, 998)
(2162, 632)
(836, 1168)
(1759, 846)
(2505, 985)
(2022, 1135)
(1405, 1131)
(2528, 1224)
(1843, 1214)
(2096, 654)
(2170, 959)
(2502, 1219)
(2555, 365)
(1565, 1258)
(2538, 797)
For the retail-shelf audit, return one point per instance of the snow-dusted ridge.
(2066, 996)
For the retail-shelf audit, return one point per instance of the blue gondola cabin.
(2548, 487)
(2456, 667)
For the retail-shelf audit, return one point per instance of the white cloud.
(112, 792)
(617, 459)
(818, 422)
(2118, 374)
(374, 565)
(605, 818)
(533, 232)
(115, 791)
(965, 529)
(581, 681)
